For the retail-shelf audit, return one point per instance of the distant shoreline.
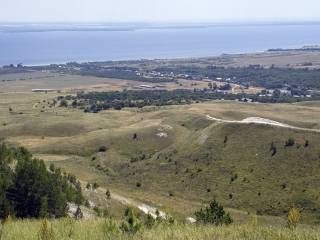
(305, 49)
(96, 27)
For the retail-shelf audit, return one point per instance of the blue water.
(64, 46)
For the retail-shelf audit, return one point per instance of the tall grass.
(107, 229)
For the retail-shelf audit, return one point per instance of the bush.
(1, 228)
(95, 185)
(149, 221)
(134, 136)
(131, 225)
(233, 178)
(273, 149)
(108, 194)
(293, 218)
(63, 103)
(213, 214)
(78, 214)
(290, 142)
(102, 149)
(110, 229)
(46, 231)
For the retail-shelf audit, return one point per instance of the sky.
(158, 10)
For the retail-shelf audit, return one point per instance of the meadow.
(106, 229)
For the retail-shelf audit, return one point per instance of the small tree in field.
(213, 214)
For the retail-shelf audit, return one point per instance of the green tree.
(213, 214)
(30, 190)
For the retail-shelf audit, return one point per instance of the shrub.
(105, 212)
(63, 103)
(78, 214)
(233, 178)
(1, 229)
(95, 185)
(110, 229)
(131, 225)
(273, 149)
(290, 142)
(46, 231)
(108, 194)
(254, 220)
(213, 214)
(102, 149)
(293, 218)
(52, 168)
(87, 204)
(69, 225)
(149, 221)
(225, 140)
(98, 211)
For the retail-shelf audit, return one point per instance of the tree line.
(255, 75)
(98, 101)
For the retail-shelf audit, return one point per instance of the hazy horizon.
(156, 11)
(199, 23)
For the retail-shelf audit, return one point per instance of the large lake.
(42, 47)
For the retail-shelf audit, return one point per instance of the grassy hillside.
(176, 159)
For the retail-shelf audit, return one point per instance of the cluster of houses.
(284, 92)
(155, 74)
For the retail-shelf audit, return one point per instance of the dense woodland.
(118, 73)
(270, 78)
(98, 101)
(29, 189)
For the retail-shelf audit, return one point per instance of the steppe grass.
(108, 229)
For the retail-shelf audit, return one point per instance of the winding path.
(263, 121)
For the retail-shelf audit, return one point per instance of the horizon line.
(235, 22)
